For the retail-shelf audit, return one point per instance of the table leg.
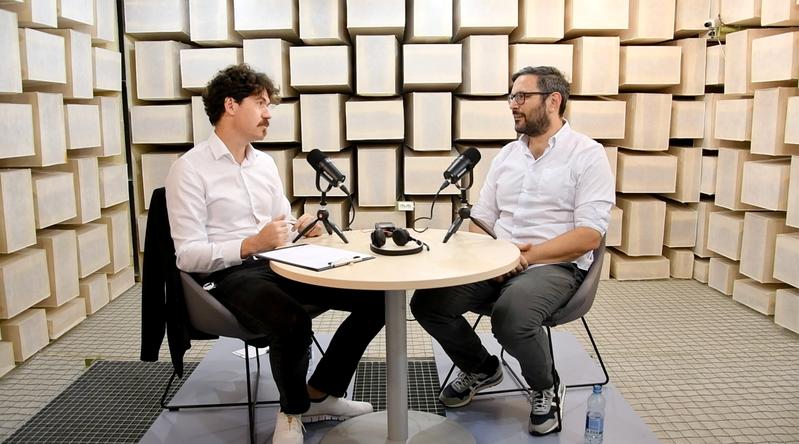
(396, 366)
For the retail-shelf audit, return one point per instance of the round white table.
(467, 257)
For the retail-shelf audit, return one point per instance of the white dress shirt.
(214, 203)
(528, 200)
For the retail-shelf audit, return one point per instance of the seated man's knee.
(422, 303)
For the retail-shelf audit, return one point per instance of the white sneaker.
(288, 429)
(335, 409)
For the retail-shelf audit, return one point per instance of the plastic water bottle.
(595, 417)
(310, 360)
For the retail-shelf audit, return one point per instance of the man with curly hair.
(226, 204)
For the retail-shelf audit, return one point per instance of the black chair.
(577, 307)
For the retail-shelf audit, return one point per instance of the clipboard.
(315, 257)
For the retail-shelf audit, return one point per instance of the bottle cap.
(597, 388)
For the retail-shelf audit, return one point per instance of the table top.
(467, 257)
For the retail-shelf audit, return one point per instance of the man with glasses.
(550, 192)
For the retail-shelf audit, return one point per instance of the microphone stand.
(465, 211)
(322, 215)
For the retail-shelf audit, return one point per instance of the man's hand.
(521, 266)
(273, 235)
(303, 222)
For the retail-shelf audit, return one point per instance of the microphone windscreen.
(315, 157)
(472, 154)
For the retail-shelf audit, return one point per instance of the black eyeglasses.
(521, 97)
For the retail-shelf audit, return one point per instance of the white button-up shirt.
(529, 200)
(214, 203)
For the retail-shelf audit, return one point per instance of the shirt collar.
(220, 150)
(553, 140)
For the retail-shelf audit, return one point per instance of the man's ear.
(555, 99)
(230, 105)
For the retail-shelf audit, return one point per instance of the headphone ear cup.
(378, 238)
(401, 236)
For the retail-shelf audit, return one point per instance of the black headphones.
(400, 237)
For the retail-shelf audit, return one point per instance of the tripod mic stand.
(465, 212)
(322, 215)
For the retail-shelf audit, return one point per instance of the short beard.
(537, 125)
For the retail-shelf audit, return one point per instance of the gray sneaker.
(543, 417)
(460, 392)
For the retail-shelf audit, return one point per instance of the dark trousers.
(264, 302)
(521, 305)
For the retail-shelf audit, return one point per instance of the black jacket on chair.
(163, 306)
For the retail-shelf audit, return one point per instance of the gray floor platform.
(502, 418)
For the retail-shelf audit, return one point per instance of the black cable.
(430, 218)
(352, 213)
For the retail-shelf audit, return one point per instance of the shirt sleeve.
(596, 192)
(188, 214)
(486, 208)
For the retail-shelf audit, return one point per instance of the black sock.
(319, 399)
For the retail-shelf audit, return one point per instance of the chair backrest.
(208, 315)
(583, 298)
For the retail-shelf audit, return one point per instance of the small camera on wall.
(709, 23)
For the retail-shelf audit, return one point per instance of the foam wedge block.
(722, 275)
(786, 309)
(28, 333)
(626, 268)
(61, 249)
(725, 233)
(22, 283)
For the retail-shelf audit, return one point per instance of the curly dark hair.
(549, 79)
(237, 82)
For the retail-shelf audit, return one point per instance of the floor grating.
(370, 385)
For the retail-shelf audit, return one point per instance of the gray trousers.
(521, 305)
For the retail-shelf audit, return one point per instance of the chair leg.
(598, 356)
(451, 369)
(250, 403)
(556, 383)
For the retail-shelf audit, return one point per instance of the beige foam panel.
(266, 18)
(305, 176)
(111, 131)
(337, 208)
(643, 220)
(78, 65)
(17, 220)
(729, 177)
(779, 13)
(107, 71)
(283, 158)
(376, 65)
(368, 217)
(42, 58)
(201, 127)
(428, 122)
(481, 17)
(75, 13)
(11, 69)
(105, 21)
(141, 227)
(423, 172)
(645, 172)
(703, 210)
(595, 69)
(61, 250)
(485, 65)
(22, 285)
(765, 184)
(725, 233)
(681, 262)
(769, 114)
(604, 274)
(117, 221)
(758, 244)
(94, 292)
(442, 213)
(83, 128)
(377, 190)
(709, 139)
(648, 122)
(738, 59)
(53, 198)
(560, 56)
(690, 16)
(211, 23)
(595, 17)
(758, 297)
(786, 256)
(688, 175)
(597, 119)
(162, 83)
(487, 154)
(740, 12)
(649, 67)
(6, 357)
(649, 22)
(786, 309)
(615, 227)
(540, 21)
(714, 65)
(28, 333)
(35, 13)
(482, 120)
(693, 66)
(687, 119)
(626, 268)
(16, 125)
(793, 194)
(120, 282)
(428, 21)
(86, 184)
(792, 121)
(93, 252)
(707, 184)
(375, 120)
(613, 154)
(163, 20)
(62, 319)
(376, 18)
(199, 66)
(154, 169)
(431, 67)
(113, 184)
(270, 56)
(306, 77)
(776, 58)
(322, 122)
(322, 22)
(734, 119)
(722, 274)
(701, 269)
(161, 124)
(680, 226)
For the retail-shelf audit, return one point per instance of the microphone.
(328, 170)
(460, 166)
